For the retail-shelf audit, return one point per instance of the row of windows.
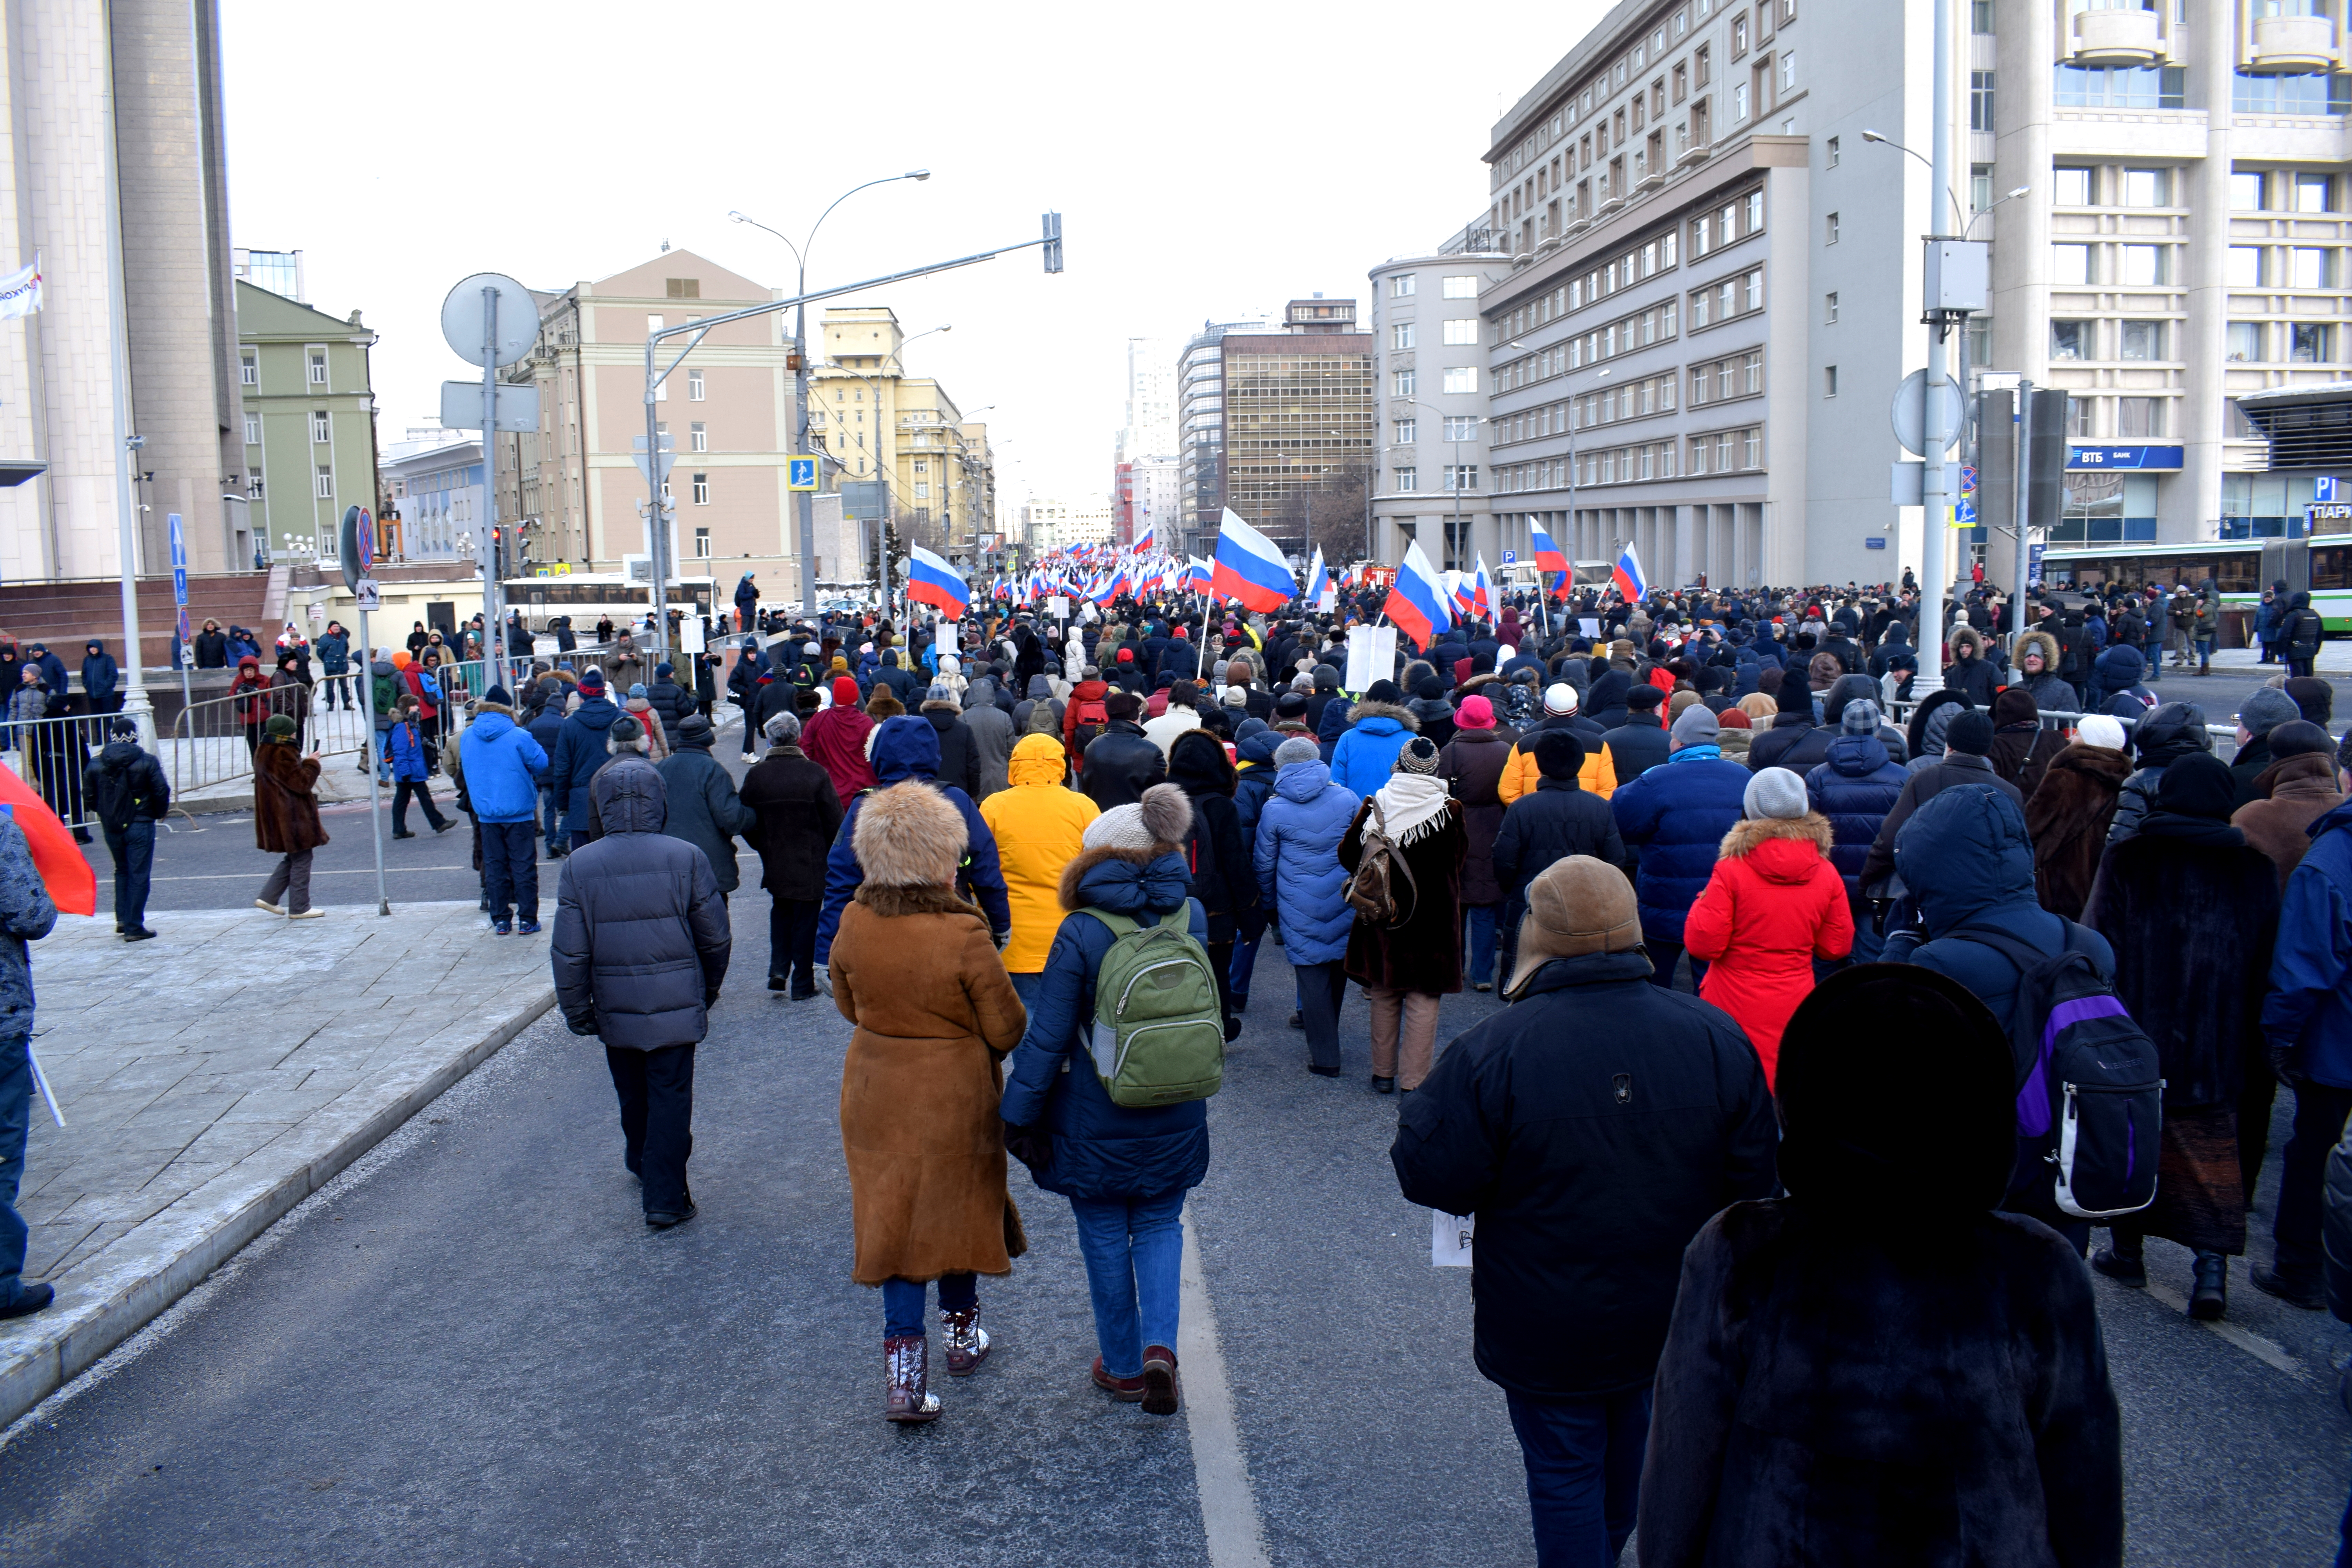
(1458, 332)
(1456, 427)
(2157, 266)
(1456, 286)
(1736, 220)
(1451, 477)
(2166, 87)
(2251, 190)
(1460, 378)
(248, 368)
(1715, 452)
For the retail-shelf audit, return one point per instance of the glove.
(1001, 937)
(1032, 1146)
(824, 980)
(586, 1026)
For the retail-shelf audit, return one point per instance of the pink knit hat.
(1475, 713)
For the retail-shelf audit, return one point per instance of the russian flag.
(1460, 594)
(1482, 598)
(1198, 574)
(1249, 568)
(1416, 601)
(1628, 576)
(1143, 536)
(931, 581)
(1318, 581)
(1105, 589)
(1549, 558)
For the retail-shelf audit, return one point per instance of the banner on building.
(20, 291)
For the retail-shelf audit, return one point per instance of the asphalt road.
(469, 1350)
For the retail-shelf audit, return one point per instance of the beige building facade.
(879, 424)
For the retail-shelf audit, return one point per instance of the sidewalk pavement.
(2334, 658)
(213, 1077)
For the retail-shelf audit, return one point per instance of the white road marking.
(2270, 1352)
(1229, 1514)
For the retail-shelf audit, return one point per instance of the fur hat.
(782, 729)
(1696, 727)
(1418, 755)
(2099, 730)
(1295, 750)
(909, 835)
(1158, 821)
(1576, 906)
(1774, 793)
(628, 735)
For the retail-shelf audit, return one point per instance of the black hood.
(2170, 734)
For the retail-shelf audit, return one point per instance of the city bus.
(589, 596)
(2240, 568)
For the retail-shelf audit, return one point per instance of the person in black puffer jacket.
(2166, 735)
(959, 756)
(1436, 714)
(1855, 786)
(1216, 854)
(1122, 761)
(1795, 742)
(672, 701)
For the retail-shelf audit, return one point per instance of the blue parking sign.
(2326, 491)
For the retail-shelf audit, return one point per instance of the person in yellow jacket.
(1519, 770)
(1039, 822)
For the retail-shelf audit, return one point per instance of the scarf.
(1411, 807)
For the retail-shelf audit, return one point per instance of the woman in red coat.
(1774, 905)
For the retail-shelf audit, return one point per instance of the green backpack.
(1159, 1031)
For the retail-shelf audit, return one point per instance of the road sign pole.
(493, 644)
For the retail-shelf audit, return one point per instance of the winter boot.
(2296, 1287)
(2121, 1261)
(967, 1341)
(2211, 1298)
(1161, 1394)
(906, 1364)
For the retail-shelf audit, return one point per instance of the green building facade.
(309, 420)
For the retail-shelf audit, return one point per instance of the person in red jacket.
(1774, 905)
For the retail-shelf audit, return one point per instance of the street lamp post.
(807, 500)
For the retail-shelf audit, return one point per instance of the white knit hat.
(1774, 793)
(1163, 817)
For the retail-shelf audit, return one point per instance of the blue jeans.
(552, 817)
(1245, 963)
(1134, 1249)
(902, 1303)
(1584, 1474)
(15, 1120)
(1026, 986)
(1482, 942)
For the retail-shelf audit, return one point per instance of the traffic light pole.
(693, 331)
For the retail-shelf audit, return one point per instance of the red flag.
(73, 886)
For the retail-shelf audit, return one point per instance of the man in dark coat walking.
(1122, 761)
(580, 751)
(125, 788)
(640, 949)
(959, 751)
(1592, 1128)
(795, 815)
(703, 808)
(1472, 766)
(1639, 743)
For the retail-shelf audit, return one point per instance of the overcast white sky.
(1210, 161)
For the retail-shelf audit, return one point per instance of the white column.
(2188, 502)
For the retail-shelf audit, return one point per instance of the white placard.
(690, 638)
(1590, 625)
(1449, 1238)
(1058, 606)
(1372, 655)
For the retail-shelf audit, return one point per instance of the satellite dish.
(517, 323)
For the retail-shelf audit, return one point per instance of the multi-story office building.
(1429, 396)
(1716, 278)
(439, 510)
(115, 124)
(1144, 496)
(1047, 525)
(1298, 421)
(879, 423)
(307, 423)
(1150, 430)
(1201, 430)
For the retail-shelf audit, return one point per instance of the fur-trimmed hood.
(1969, 639)
(890, 902)
(1074, 873)
(1748, 835)
(1126, 882)
(909, 835)
(2043, 643)
(1404, 716)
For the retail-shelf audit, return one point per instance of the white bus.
(589, 596)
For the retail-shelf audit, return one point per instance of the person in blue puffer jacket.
(1125, 1170)
(2307, 1022)
(1673, 818)
(904, 748)
(1301, 879)
(503, 765)
(1856, 789)
(1378, 729)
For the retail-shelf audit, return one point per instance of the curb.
(99, 1310)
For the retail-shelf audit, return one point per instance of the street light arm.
(885, 180)
(1957, 211)
(755, 223)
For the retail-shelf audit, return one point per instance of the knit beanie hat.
(638, 693)
(1475, 713)
(2099, 730)
(1384, 692)
(2266, 709)
(1236, 697)
(1774, 793)
(2313, 697)
(782, 729)
(1696, 727)
(1419, 756)
(1679, 703)
(939, 692)
(1969, 732)
(592, 683)
(1861, 716)
(1158, 821)
(1559, 698)
(1295, 750)
(279, 728)
(844, 692)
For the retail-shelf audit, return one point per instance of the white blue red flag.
(931, 581)
(1249, 570)
(1417, 600)
(1628, 578)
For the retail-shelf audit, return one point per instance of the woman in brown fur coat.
(2069, 812)
(285, 818)
(913, 967)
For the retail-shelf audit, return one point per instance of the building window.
(1408, 431)
(702, 489)
(1462, 427)
(1738, 102)
(2311, 268)
(1829, 382)
(1460, 287)
(2070, 264)
(325, 483)
(1980, 100)
(1981, 16)
(1401, 286)
(2140, 418)
(1831, 229)
(1462, 331)
(1408, 479)
(653, 323)
(2143, 266)
(701, 535)
(2146, 187)
(2071, 187)
(2069, 340)
(1980, 187)
(2244, 343)
(248, 371)
(1829, 309)
(2317, 93)
(1461, 476)
(2246, 192)
(2142, 340)
(2312, 344)
(1460, 378)
(318, 427)
(1401, 335)
(2244, 270)
(1788, 69)
(923, 490)
(2312, 194)
(1830, 153)
(318, 367)
(1402, 383)
(1738, 36)
(253, 430)
(699, 433)
(2121, 87)
(694, 386)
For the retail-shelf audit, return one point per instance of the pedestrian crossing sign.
(801, 473)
